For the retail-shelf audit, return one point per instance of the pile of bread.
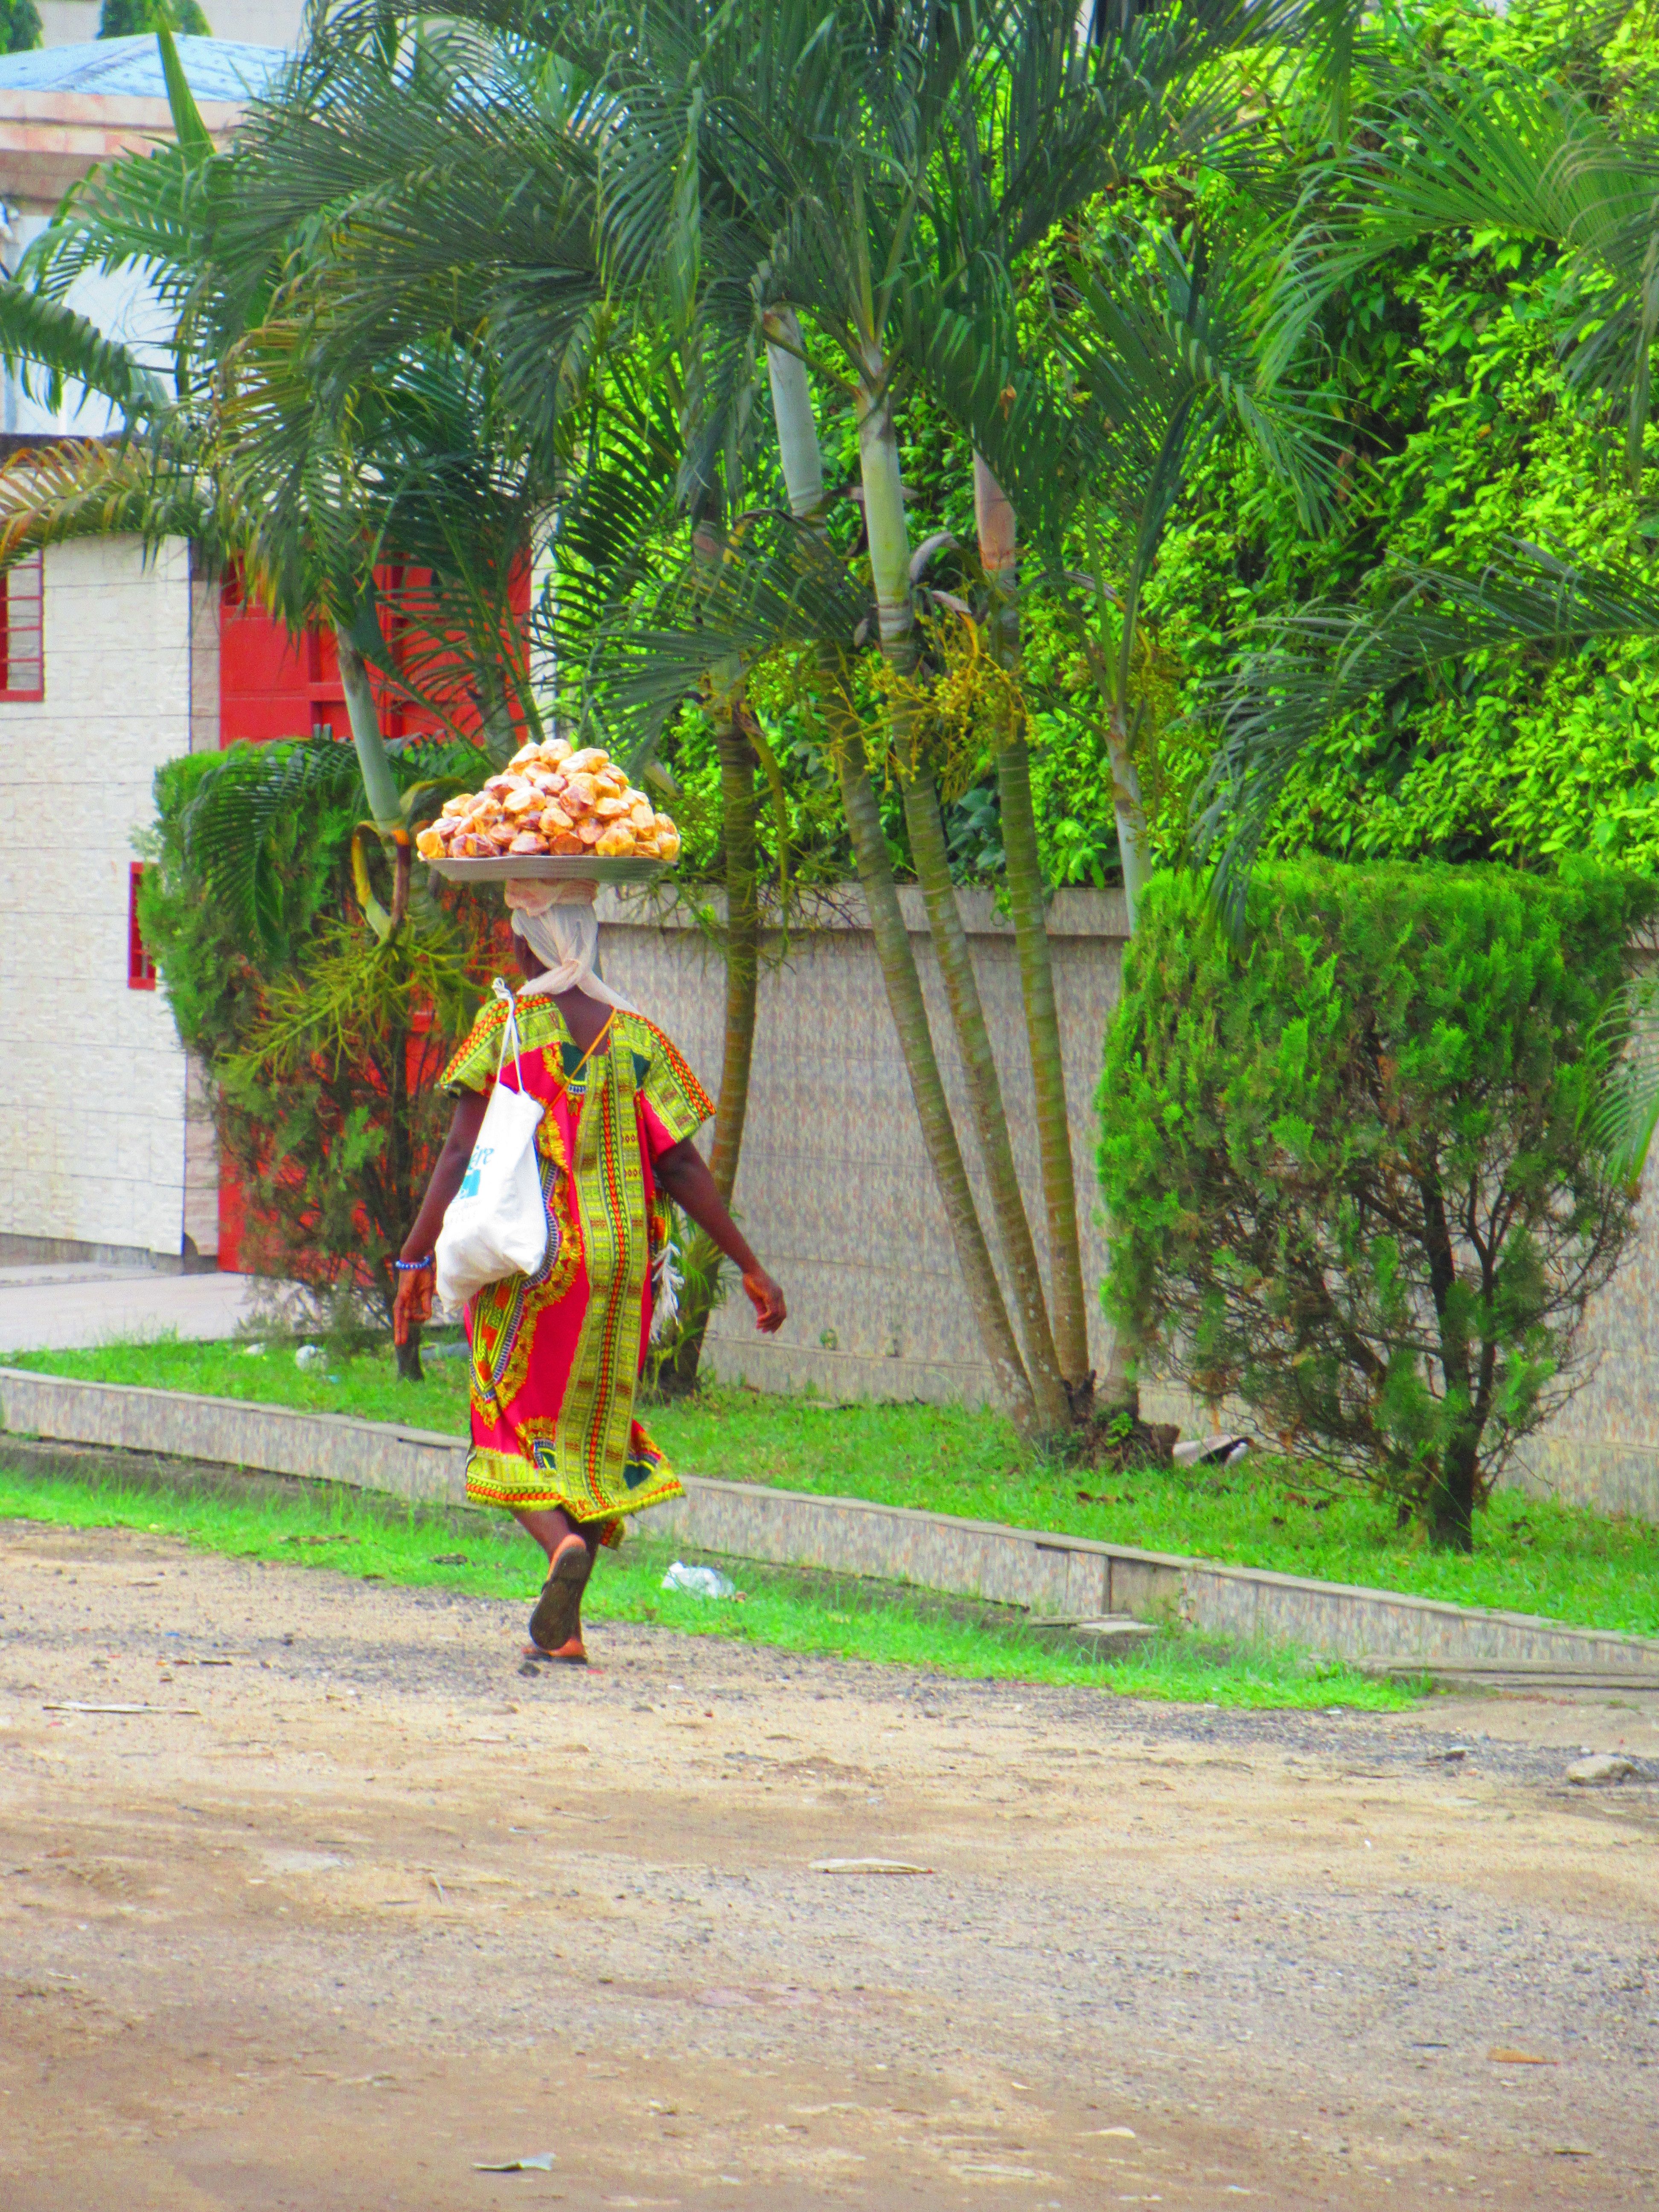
(551, 798)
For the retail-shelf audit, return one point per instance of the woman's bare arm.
(414, 1300)
(682, 1172)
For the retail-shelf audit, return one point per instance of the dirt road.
(328, 1925)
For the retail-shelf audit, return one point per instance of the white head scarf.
(556, 920)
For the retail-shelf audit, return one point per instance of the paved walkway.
(54, 1305)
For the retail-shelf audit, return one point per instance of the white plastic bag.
(699, 1581)
(496, 1224)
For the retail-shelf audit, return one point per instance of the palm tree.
(248, 458)
(468, 174)
(854, 175)
(1046, 128)
(831, 200)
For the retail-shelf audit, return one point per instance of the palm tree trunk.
(999, 556)
(929, 851)
(910, 1011)
(1036, 980)
(1131, 813)
(678, 1376)
(888, 538)
(737, 760)
(792, 410)
(798, 449)
(380, 785)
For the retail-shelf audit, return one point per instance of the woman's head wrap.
(556, 920)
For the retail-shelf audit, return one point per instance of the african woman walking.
(555, 1355)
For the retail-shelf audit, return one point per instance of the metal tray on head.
(550, 867)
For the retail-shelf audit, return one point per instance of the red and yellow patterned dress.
(555, 1355)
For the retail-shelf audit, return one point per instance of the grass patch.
(357, 1534)
(1567, 1563)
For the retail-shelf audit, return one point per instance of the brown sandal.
(558, 1609)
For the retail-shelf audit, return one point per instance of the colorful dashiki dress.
(555, 1355)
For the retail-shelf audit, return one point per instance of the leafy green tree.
(130, 19)
(514, 176)
(888, 196)
(19, 26)
(1354, 1177)
(1522, 156)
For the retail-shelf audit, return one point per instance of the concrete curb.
(1044, 1573)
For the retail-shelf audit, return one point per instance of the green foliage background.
(130, 19)
(19, 26)
(1464, 429)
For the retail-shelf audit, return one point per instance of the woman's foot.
(556, 1624)
(574, 1654)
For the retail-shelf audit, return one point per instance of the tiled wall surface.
(92, 1074)
(834, 1190)
(837, 1196)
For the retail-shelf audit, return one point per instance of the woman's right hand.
(767, 1299)
(413, 1303)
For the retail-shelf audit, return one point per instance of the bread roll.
(552, 797)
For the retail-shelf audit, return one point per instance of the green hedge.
(1348, 1167)
(321, 1045)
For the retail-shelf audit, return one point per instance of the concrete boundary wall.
(1045, 1573)
(836, 1194)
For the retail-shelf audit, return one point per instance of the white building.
(108, 666)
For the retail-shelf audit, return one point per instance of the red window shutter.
(141, 969)
(22, 645)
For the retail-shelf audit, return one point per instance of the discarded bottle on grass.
(1223, 1450)
(309, 1355)
(698, 1582)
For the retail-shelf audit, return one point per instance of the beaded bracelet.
(414, 1266)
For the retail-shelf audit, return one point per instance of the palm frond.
(1325, 660)
(1627, 1101)
(229, 828)
(48, 346)
(1523, 155)
(53, 493)
(776, 585)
